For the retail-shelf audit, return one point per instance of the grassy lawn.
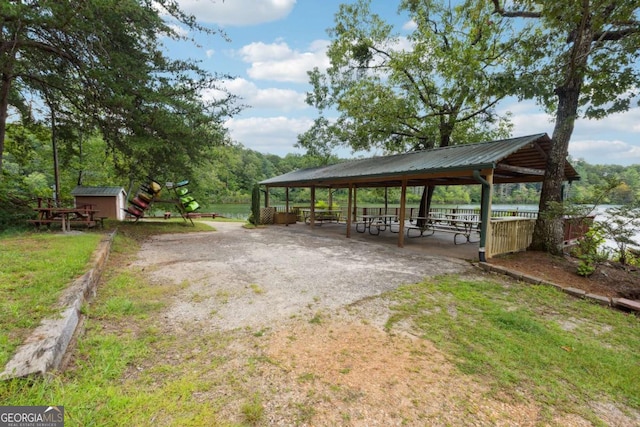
(529, 342)
(562, 351)
(35, 269)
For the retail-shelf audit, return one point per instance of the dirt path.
(305, 322)
(267, 276)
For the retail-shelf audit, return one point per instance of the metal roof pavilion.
(520, 159)
(513, 160)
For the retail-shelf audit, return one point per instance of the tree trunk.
(548, 232)
(5, 87)
(425, 204)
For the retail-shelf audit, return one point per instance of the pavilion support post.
(349, 205)
(485, 213)
(266, 197)
(312, 210)
(354, 213)
(286, 208)
(386, 200)
(403, 209)
(330, 199)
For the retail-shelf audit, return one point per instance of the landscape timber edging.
(44, 349)
(619, 303)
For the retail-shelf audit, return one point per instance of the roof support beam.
(540, 150)
(520, 169)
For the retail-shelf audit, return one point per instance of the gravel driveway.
(236, 278)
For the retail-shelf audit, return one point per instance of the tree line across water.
(227, 174)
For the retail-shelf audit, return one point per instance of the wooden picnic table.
(377, 222)
(458, 224)
(322, 215)
(84, 215)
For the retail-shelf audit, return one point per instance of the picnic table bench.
(66, 217)
(322, 215)
(459, 224)
(376, 223)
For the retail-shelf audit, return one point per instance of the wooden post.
(312, 213)
(266, 197)
(354, 214)
(349, 205)
(403, 205)
(485, 215)
(286, 197)
(488, 242)
(330, 199)
(286, 209)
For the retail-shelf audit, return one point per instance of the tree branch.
(616, 35)
(513, 14)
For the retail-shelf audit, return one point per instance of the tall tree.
(103, 61)
(578, 58)
(436, 87)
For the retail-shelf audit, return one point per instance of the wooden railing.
(509, 234)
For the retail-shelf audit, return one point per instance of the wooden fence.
(509, 234)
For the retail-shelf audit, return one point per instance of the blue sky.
(274, 43)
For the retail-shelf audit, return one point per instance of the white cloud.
(605, 151)
(238, 12)
(273, 135)
(278, 62)
(612, 140)
(182, 32)
(410, 25)
(269, 98)
(619, 122)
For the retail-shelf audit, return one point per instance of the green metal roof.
(520, 159)
(96, 191)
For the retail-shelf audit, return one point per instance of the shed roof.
(520, 159)
(96, 191)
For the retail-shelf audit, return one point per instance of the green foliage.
(99, 67)
(321, 204)
(439, 92)
(621, 225)
(585, 268)
(589, 251)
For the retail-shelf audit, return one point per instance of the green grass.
(35, 270)
(120, 375)
(564, 351)
(36, 267)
